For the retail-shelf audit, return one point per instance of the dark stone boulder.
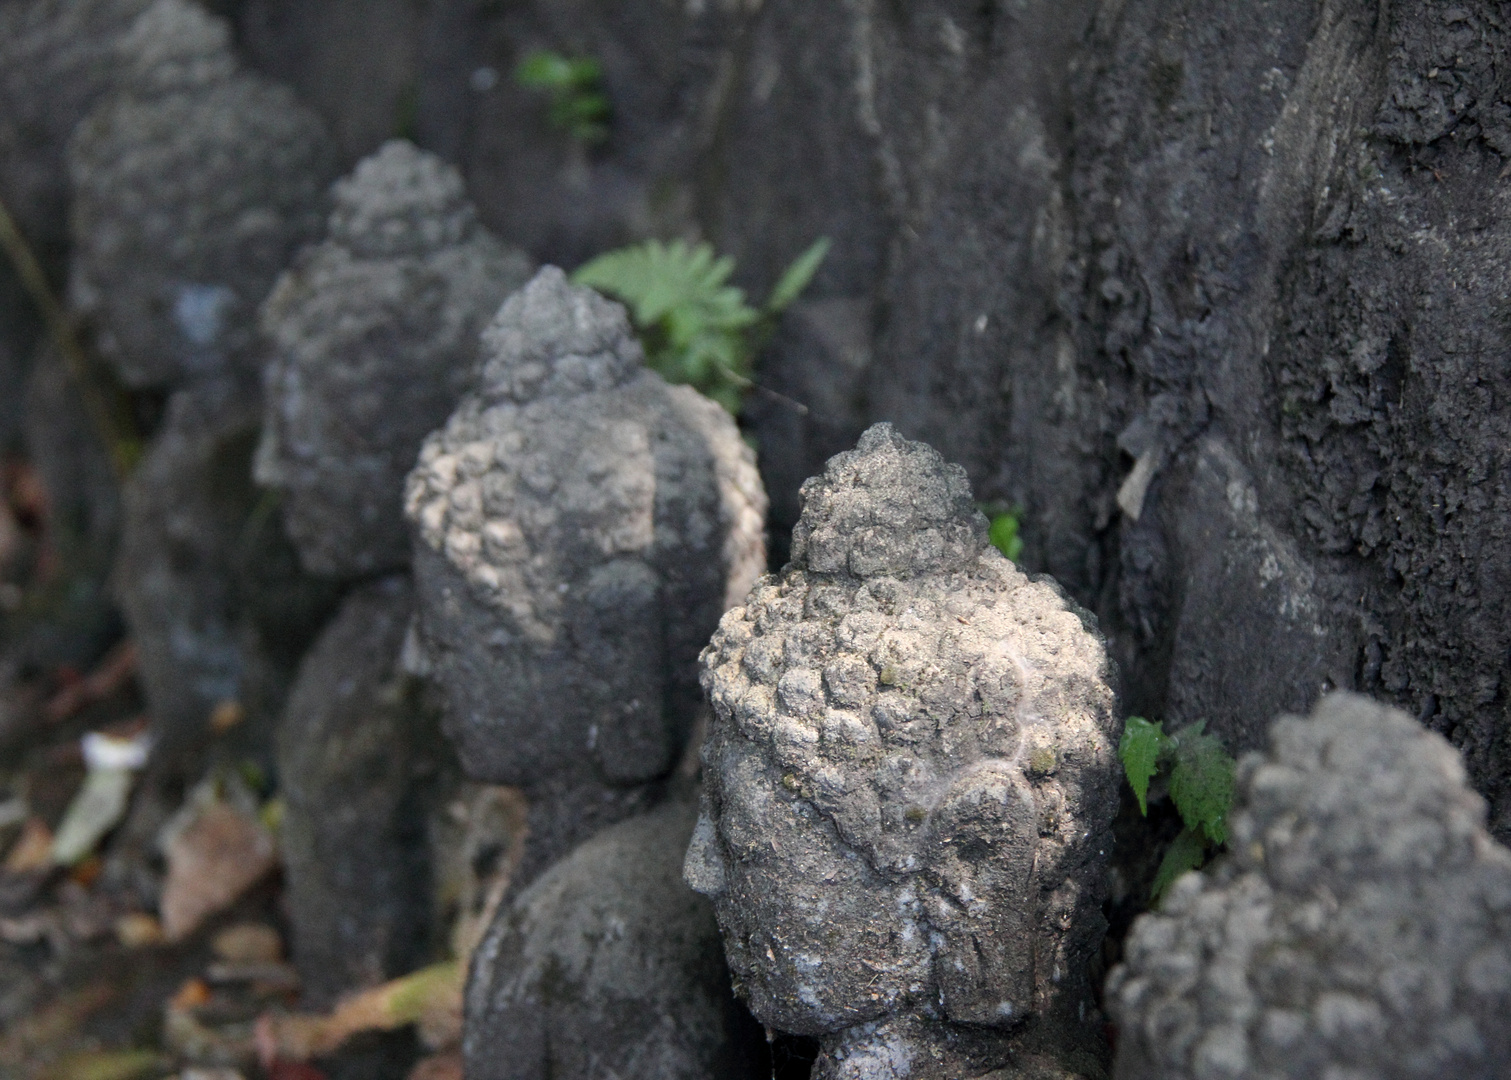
(211, 590)
(608, 965)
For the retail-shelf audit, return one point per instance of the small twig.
(791, 403)
(750, 384)
(117, 445)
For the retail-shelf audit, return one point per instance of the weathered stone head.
(1359, 926)
(374, 336)
(401, 201)
(580, 526)
(909, 778)
(192, 187)
(58, 58)
(176, 47)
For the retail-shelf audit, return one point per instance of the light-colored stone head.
(910, 778)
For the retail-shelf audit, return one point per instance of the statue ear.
(980, 853)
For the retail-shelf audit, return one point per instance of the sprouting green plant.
(1004, 531)
(1199, 774)
(696, 327)
(578, 104)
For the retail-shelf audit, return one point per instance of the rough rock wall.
(1213, 292)
(446, 81)
(1289, 241)
(1256, 247)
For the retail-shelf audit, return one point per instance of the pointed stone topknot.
(554, 339)
(401, 201)
(176, 45)
(890, 507)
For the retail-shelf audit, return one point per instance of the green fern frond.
(697, 328)
(797, 276)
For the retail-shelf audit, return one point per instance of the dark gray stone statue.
(360, 764)
(1360, 925)
(192, 189)
(374, 334)
(210, 588)
(580, 526)
(909, 786)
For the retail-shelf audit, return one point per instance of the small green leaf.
(1139, 750)
(580, 111)
(1188, 852)
(1004, 535)
(578, 104)
(584, 73)
(546, 70)
(797, 276)
(409, 999)
(1201, 782)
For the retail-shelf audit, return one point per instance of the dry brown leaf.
(248, 943)
(86, 871)
(210, 863)
(191, 995)
(112, 673)
(226, 715)
(428, 997)
(438, 1067)
(32, 850)
(138, 930)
